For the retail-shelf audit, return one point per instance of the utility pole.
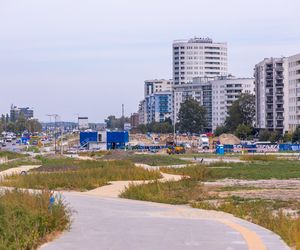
(55, 120)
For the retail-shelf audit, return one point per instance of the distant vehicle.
(203, 141)
(3, 144)
(8, 139)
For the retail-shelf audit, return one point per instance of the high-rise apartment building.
(157, 103)
(198, 57)
(271, 87)
(293, 108)
(15, 113)
(157, 85)
(215, 95)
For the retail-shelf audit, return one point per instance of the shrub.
(171, 192)
(26, 220)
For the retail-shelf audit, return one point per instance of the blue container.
(220, 150)
(117, 139)
(87, 137)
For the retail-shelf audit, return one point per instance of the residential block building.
(277, 82)
(215, 95)
(157, 104)
(15, 113)
(198, 57)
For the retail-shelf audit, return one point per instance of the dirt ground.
(265, 189)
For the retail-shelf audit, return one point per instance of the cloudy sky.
(88, 57)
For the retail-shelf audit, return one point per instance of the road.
(115, 224)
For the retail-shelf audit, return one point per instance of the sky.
(89, 57)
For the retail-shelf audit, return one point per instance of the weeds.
(26, 220)
(258, 157)
(257, 170)
(85, 175)
(171, 192)
(11, 155)
(260, 212)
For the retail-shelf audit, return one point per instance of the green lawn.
(11, 155)
(280, 169)
(156, 160)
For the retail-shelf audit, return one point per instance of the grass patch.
(19, 162)
(82, 175)
(171, 192)
(26, 221)
(257, 170)
(11, 155)
(260, 212)
(258, 157)
(156, 160)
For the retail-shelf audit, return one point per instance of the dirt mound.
(229, 139)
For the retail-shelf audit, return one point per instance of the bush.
(171, 192)
(26, 220)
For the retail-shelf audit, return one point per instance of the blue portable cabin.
(117, 139)
(88, 137)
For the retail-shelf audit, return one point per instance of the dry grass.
(26, 220)
(85, 175)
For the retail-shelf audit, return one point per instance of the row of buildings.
(200, 71)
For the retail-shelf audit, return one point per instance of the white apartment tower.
(293, 98)
(271, 87)
(215, 95)
(198, 57)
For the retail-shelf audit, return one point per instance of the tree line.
(20, 125)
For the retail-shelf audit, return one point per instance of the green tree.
(287, 137)
(191, 117)
(243, 131)
(275, 136)
(33, 125)
(264, 135)
(296, 135)
(242, 111)
(220, 130)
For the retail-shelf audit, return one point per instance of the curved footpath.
(102, 221)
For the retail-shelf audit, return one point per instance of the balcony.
(269, 85)
(270, 101)
(279, 92)
(269, 94)
(279, 77)
(279, 68)
(269, 77)
(279, 117)
(269, 69)
(279, 101)
(280, 109)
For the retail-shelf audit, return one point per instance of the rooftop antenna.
(122, 110)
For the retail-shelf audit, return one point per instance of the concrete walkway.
(120, 224)
(117, 187)
(102, 221)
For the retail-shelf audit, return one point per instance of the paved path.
(120, 224)
(117, 187)
(16, 170)
(101, 221)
